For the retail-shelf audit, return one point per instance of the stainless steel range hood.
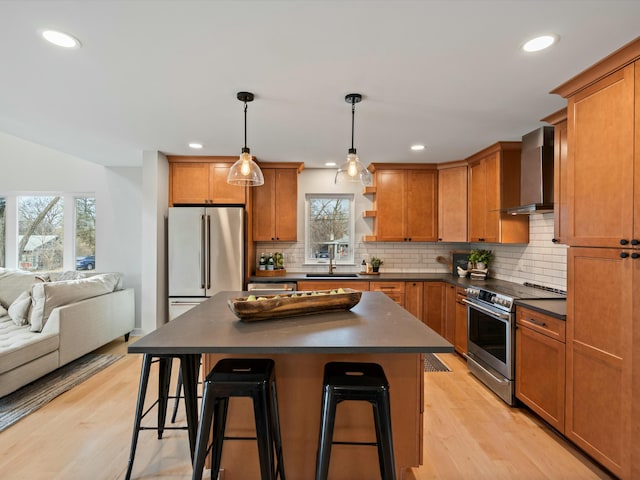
(536, 173)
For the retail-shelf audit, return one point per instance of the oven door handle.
(501, 316)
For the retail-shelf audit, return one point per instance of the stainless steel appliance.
(491, 333)
(205, 254)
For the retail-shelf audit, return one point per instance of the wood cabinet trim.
(373, 167)
(298, 166)
(556, 117)
(453, 164)
(222, 160)
(622, 57)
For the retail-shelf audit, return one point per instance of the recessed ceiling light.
(195, 145)
(61, 39)
(330, 164)
(540, 43)
(417, 147)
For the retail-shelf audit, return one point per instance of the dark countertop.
(376, 325)
(549, 306)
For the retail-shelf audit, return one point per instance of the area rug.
(31, 397)
(433, 364)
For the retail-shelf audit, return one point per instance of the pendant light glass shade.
(245, 172)
(353, 170)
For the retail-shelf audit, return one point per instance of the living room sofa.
(46, 321)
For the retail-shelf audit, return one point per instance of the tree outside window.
(330, 226)
(85, 242)
(40, 233)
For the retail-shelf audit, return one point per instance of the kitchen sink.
(332, 275)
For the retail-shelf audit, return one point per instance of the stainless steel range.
(491, 325)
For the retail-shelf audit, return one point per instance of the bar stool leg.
(221, 408)
(203, 433)
(326, 434)
(164, 378)
(142, 393)
(177, 395)
(385, 440)
(275, 416)
(264, 432)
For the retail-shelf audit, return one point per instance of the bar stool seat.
(358, 382)
(164, 377)
(240, 377)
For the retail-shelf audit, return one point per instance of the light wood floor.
(85, 434)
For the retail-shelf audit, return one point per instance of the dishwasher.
(273, 287)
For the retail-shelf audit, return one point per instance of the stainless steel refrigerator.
(205, 254)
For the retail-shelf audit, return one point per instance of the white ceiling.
(155, 75)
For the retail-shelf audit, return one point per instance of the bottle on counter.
(363, 266)
(270, 262)
(263, 262)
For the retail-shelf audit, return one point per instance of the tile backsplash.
(540, 261)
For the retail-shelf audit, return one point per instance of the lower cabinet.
(329, 284)
(434, 306)
(393, 290)
(461, 329)
(449, 327)
(414, 299)
(540, 365)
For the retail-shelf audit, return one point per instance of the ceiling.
(156, 75)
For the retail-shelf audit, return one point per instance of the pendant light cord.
(245, 125)
(353, 118)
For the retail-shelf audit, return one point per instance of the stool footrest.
(239, 438)
(370, 444)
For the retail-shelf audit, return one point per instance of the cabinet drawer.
(544, 324)
(329, 284)
(387, 287)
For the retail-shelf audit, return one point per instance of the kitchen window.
(329, 227)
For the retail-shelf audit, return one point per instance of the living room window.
(48, 232)
(330, 226)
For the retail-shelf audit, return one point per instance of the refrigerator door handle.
(202, 253)
(208, 252)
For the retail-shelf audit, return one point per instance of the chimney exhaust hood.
(536, 173)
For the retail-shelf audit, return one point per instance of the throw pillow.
(70, 275)
(13, 283)
(47, 296)
(19, 309)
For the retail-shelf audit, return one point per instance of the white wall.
(26, 167)
(540, 261)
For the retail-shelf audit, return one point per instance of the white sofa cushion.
(19, 309)
(13, 283)
(47, 296)
(19, 346)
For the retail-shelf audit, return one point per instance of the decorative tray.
(265, 307)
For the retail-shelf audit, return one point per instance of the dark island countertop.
(375, 325)
(555, 307)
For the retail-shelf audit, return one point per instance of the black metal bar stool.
(190, 365)
(240, 377)
(361, 382)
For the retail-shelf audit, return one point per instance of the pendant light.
(245, 172)
(352, 170)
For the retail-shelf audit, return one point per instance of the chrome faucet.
(331, 254)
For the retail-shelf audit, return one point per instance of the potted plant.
(375, 263)
(480, 258)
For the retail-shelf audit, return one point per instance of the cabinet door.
(414, 299)
(452, 204)
(450, 313)
(392, 210)
(422, 206)
(461, 331)
(264, 207)
(329, 284)
(599, 347)
(600, 167)
(189, 183)
(434, 306)
(393, 290)
(221, 191)
(286, 203)
(477, 200)
(540, 374)
(492, 198)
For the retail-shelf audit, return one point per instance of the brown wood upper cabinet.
(560, 154)
(202, 180)
(274, 204)
(494, 186)
(406, 199)
(452, 202)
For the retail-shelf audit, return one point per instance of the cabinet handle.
(555, 240)
(439, 239)
(386, 287)
(624, 241)
(481, 239)
(635, 255)
(624, 255)
(634, 241)
(536, 322)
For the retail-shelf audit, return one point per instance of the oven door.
(491, 338)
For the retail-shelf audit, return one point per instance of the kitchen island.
(375, 330)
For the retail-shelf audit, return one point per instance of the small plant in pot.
(375, 263)
(480, 258)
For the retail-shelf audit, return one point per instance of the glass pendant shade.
(353, 170)
(245, 172)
